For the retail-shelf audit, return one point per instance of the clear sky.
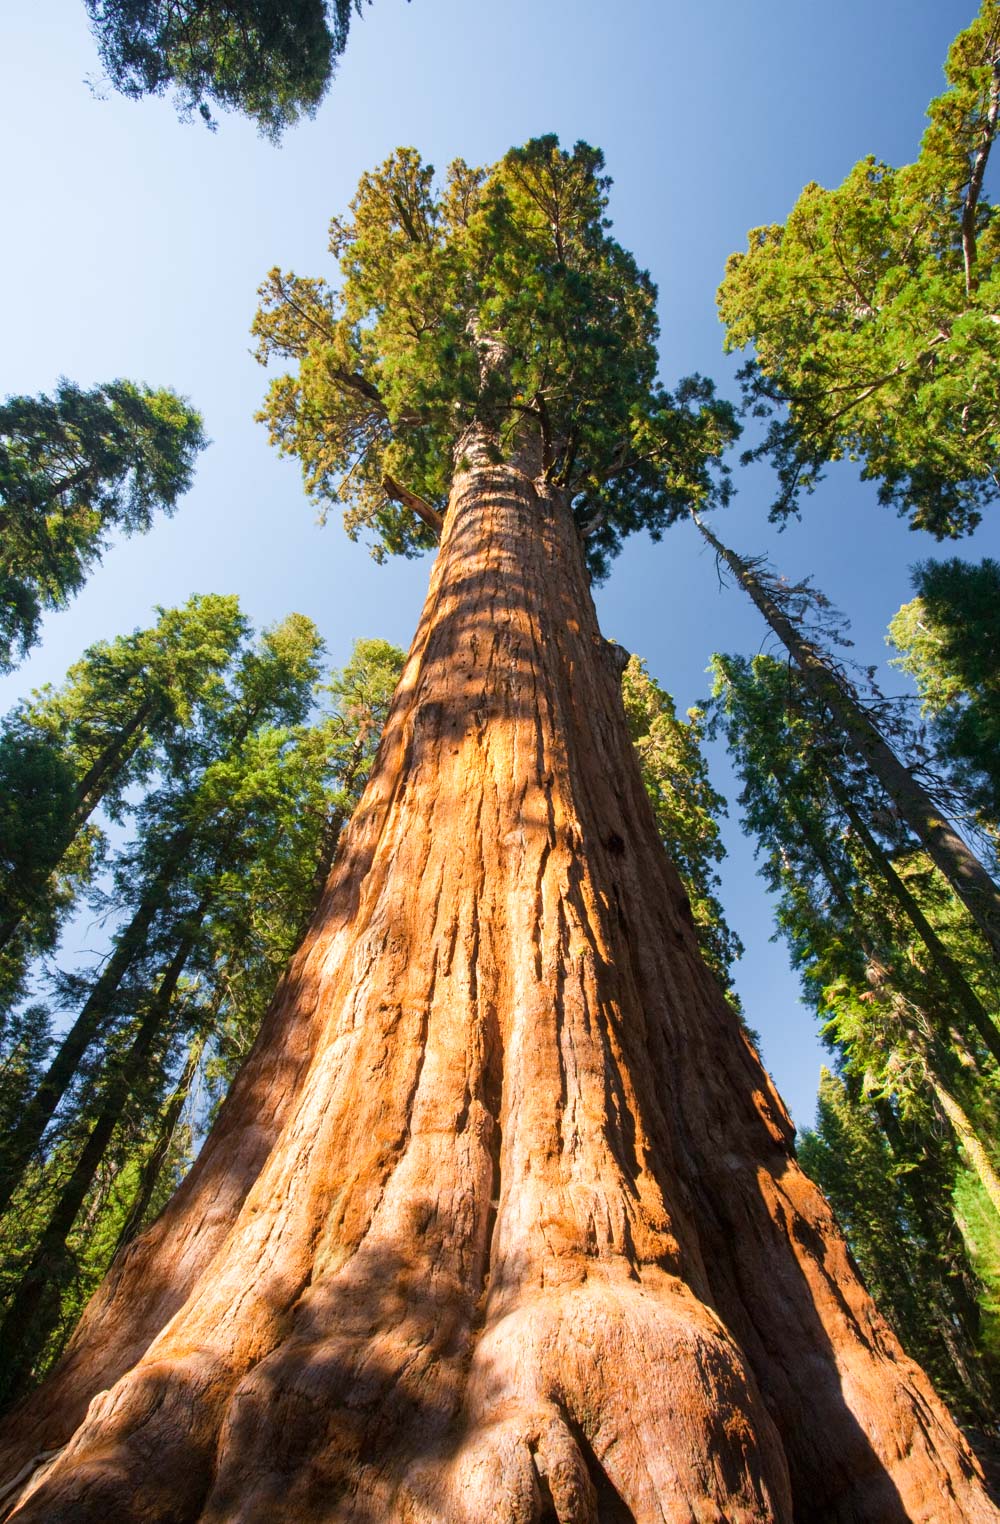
(134, 246)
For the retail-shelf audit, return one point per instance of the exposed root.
(645, 1391)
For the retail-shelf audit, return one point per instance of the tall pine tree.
(73, 468)
(873, 314)
(949, 643)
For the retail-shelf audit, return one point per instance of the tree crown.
(497, 300)
(874, 313)
(270, 61)
(73, 467)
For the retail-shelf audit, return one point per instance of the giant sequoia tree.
(501, 1218)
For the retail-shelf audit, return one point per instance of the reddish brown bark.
(501, 1220)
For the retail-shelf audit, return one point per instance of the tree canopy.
(270, 61)
(874, 314)
(74, 467)
(686, 807)
(500, 299)
(949, 642)
(906, 995)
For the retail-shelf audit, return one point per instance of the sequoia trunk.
(501, 1220)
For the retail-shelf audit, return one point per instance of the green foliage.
(36, 800)
(949, 640)
(272, 60)
(981, 1232)
(873, 313)
(356, 703)
(832, 852)
(685, 805)
(317, 774)
(848, 1155)
(125, 698)
(25, 1037)
(73, 467)
(89, 743)
(892, 1203)
(36, 805)
(497, 303)
(894, 1000)
(246, 799)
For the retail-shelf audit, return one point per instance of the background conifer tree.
(270, 61)
(873, 314)
(90, 741)
(949, 643)
(831, 854)
(74, 467)
(862, 729)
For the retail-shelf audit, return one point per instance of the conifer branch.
(416, 504)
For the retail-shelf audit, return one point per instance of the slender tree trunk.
(501, 1220)
(964, 996)
(150, 1173)
(946, 849)
(87, 795)
(967, 1134)
(92, 787)
(18, 1148)
(25, 1329)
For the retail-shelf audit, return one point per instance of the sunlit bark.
(501, 1220)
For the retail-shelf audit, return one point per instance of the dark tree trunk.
(942, 843)
(18, 1148)
(25, 1327)
(501, 1220)
(87, 795)
(149, 1175)
(92, 787)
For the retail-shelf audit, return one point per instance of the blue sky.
(135, 245)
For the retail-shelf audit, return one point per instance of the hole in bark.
(492, 1096)
(548, 1514)
(615, 844)
(611, 1506)
(622, 919)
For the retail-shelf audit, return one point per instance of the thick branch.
(356, 383)
(416, 504)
